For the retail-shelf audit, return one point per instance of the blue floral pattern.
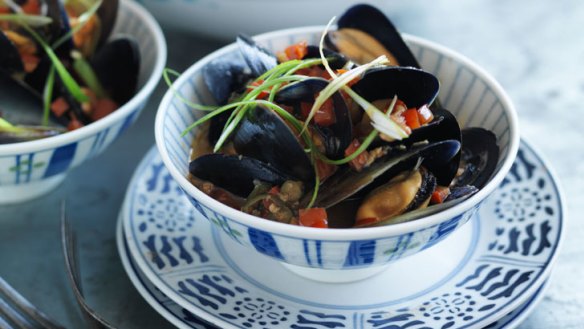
(174, 244)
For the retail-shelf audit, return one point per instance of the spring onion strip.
(303, 64)
(321, 47)
(381, 122)
(195, 106)
(65, 76)
(82, 20)
(316, 186)
(86, 73)
(30, 20)
(7, 126)
(278, 69)
(339, 83)
(47, 94)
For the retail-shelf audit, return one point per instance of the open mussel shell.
(479, 157)
(413, 86)
(365, 33)
(257, 58)
(117, 66)
(447, 129)
(226, 75)
(265, 136)
(337, 136)
(408, 191)
(348, 182)
(10, 61)
(427, 211)
(235, 173)
(335, 60)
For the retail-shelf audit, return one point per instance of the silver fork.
(17, 312)
(68, 241)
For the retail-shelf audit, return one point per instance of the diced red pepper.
(296, 51)
(313, 217)
(361, 160)
(440, 194)
(30, 62)
(263, 94)
(59, 106)
(425, 115)
(74, 123)
(411, 117)
(31, 7)
(325, 115)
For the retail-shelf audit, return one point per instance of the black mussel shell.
(373, 22)
(448, 129)
(117, 66)
(479, 157)
(108, 14)
(10, 61)
(226, 75)
(335, 60)
(413, 86)
(337, 136)
(19, 104)
(460, 192)
(235, 173)
(223, 77)
(257, 58)
(348, 182)
(265, 136)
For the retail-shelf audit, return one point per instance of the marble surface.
(533, 48)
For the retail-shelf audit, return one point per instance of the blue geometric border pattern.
(521, 225)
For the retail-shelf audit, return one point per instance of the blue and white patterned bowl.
(466, 90)
(30, 169)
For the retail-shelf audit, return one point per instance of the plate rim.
(527, 307)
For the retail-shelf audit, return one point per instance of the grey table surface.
(535, 49)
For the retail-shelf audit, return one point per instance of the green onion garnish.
(65, 76)
(47, 94)
(30, 20)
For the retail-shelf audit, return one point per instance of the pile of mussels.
(266, 169)
(58, 72)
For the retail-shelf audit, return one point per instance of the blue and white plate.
(183, 319)
(480, 274)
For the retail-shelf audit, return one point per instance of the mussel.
(107, 72)
(341, 163)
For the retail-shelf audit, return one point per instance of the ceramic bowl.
(223, 19)
(30, 169)
(344, 254)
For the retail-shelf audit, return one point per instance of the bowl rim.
(143, 93)
(343, 234)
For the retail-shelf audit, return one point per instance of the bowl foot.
(24, 192)
(334, 276)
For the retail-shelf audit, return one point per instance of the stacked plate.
(490, 273)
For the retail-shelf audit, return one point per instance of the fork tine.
(13, 316)
(72, 267)
(4, 324)
(23, 306)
